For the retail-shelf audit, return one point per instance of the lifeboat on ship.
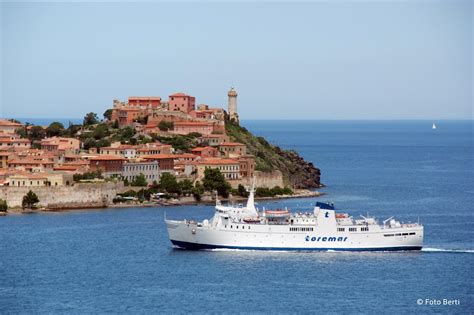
(251, 220)
(277, 213)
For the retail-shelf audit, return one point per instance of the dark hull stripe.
(195, 246)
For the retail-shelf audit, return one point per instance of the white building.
(151, 171)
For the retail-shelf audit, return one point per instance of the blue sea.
(120, 260)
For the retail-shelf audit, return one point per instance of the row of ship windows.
(242, 227)
(353, 229)
(301, 229)
(399, 234)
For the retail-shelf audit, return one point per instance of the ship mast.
(251, 200)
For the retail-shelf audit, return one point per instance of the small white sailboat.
(434, 126)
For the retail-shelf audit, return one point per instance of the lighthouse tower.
(233, 105)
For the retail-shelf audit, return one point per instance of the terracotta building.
(232, 149)
(12, 140)
(60, 145)
(109, 165)
(181, 102)
(144, 101)
(206, 152)
(247, 165)
(184, 128)
(126, 115)
(165, 161)
(213, 139)
(7, 126)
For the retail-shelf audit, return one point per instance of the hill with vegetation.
(297, 172)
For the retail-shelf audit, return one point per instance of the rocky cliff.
(297, 172)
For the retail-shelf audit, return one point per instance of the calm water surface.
(121, 260)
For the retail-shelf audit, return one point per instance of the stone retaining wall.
(263, 179)
(84, 195)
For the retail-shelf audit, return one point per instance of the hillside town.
(137, 142)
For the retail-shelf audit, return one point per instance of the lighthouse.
(232, 108)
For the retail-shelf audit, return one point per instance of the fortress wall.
(263, 179)
(84, 195)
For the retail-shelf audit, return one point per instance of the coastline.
(301, 193)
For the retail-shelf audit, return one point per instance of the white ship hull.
(322, 229)
(280, 237)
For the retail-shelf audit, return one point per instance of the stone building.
(7, 126)
(60, 145)
(230, 168)
(12, 140)
(25, 179)
(213, 140)
(206, 152)
(233, 149)
(186, 127)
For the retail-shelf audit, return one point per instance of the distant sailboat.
(434, 126)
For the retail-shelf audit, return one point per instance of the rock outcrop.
(297, 172)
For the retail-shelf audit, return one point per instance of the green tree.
(169, 184)
(22, 132)
(101, 131)
(108, 114)
(89, 143)
(178, 142)
(90, 119)
(29, 200)
(3, 206)
(186, 186)
(214, 180)
(88, 176)
(198, 190)
(102, 143)
(165, 125)
(242, 191)
(37, 133)
(126, 134)
(194, 135)
(54, 129)
(72, 130)
(139, 181)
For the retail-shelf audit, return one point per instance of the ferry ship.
(245, 227)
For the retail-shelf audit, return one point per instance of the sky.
(306, 60)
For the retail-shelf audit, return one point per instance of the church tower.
(232, 108)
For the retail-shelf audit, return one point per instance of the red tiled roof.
(178, 94)
(159, 156)
(66, 168)
(106, 158)
(144, 98)
(169, 156)
(199, 149)
(231, 144)
(217, 161)
(5, 122)
(120, 147)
